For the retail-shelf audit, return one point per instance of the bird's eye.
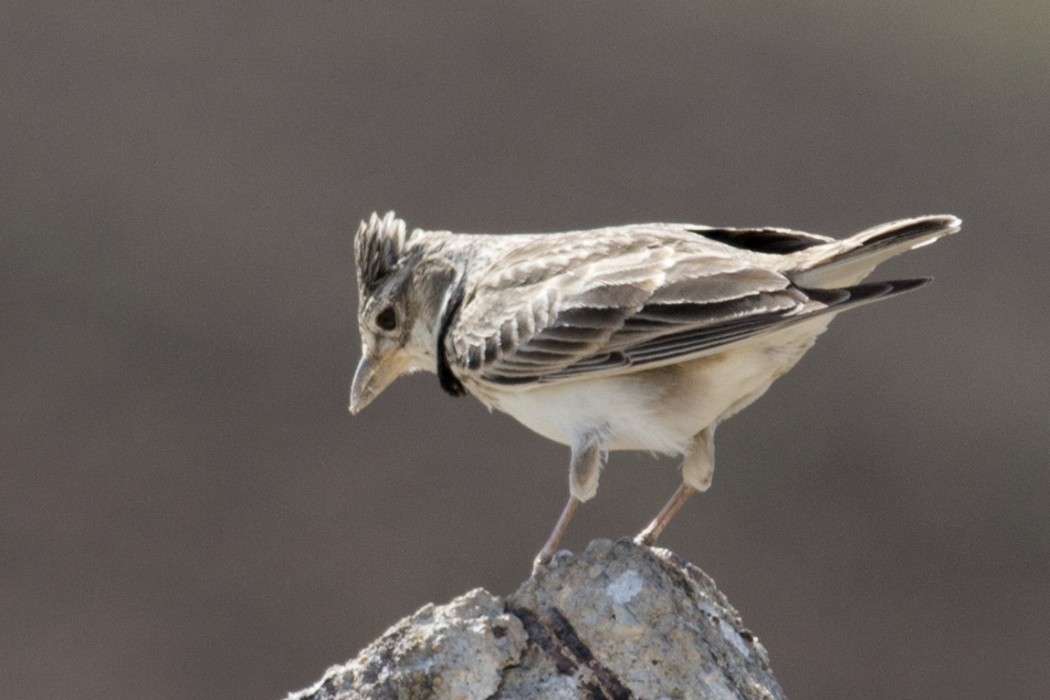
(386, 320)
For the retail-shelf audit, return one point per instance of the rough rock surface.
(618, 621)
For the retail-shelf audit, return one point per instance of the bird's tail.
(846, 262)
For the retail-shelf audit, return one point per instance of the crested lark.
(640, 337)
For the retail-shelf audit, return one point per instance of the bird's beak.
(374, 373)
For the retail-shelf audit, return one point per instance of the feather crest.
(378, 246)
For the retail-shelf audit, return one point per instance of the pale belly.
(659, 409)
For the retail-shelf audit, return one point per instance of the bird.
(637, 337)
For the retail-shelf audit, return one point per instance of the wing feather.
(562, 306)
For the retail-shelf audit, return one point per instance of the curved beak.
(374, 373)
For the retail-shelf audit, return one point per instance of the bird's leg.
(551, 545)
(652, 531)
(697, 469)
(588, 456)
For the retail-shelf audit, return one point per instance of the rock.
(617, 621)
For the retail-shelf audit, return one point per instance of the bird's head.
(402, 287)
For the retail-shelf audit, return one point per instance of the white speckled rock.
(456, 651)
(618, 621)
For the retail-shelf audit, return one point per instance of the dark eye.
(387, 319)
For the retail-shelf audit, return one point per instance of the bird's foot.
(646, 537)
(539, 564)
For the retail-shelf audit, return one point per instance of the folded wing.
(563, 307)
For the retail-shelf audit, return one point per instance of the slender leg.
(652, 531)
(588, 457)
(551, 545)
(697, 469)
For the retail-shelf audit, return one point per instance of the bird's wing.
(566, 305)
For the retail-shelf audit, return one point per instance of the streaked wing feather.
(604, 305)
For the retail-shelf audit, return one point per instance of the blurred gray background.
(188, 511)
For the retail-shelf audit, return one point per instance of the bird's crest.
(378, 246)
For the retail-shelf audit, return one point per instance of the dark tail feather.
(859, 294)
